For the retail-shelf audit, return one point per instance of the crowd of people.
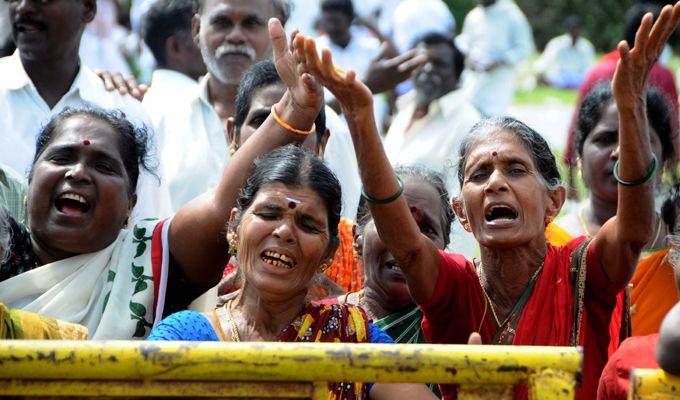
(337, 172)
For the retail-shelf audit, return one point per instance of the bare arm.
(415, 254)
(197, 233)
(620, 240)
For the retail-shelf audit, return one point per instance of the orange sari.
(653, 292)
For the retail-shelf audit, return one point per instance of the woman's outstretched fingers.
(475, 338)
(278, 38)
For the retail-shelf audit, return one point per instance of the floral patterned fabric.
(21, 257)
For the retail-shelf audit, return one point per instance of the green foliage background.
(602, 19)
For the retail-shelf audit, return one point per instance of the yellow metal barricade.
(654, 384)
(276, 370)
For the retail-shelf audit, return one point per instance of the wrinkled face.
(600, 152)
(382, 272)
(336, 24)
(46, 29)
(260, 108)
(436, 77)
(281, 247)
(233, 35)
(504, 198)
(78, 197)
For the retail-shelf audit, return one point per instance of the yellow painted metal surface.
(197, 369)
(654, 384)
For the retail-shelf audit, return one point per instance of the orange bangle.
(287, 126)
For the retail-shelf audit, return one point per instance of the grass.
(546, 95)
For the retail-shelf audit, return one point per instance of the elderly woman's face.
(283, 239)
(78, 197)
(601, 151)
(382, 272)
(505, 199)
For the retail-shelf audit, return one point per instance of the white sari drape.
(110, 291)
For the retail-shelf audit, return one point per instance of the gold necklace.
(232, 324)
(488, 298)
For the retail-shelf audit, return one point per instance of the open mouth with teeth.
(500, 212)
(392, 266)
(72, 204)
(278, 259)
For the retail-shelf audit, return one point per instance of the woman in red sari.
(522, 291)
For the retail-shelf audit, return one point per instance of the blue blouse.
(193, 326)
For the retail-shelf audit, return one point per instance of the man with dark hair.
(433, 119)
(496, 36)
(45, 75)
(566, 58)
(166, 29)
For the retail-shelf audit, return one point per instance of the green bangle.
(375, 200)
(650, 173)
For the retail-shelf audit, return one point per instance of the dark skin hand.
(197, 234)
(123, 84)
(617, 244)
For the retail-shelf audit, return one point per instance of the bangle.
(287, 126)
(375, 200)
(650, 173)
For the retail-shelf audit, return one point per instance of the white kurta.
(24, 112)
(433, 142)
(564, 63)
(498, 33)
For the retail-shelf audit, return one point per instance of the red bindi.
(494, 153)
(86, 142)
(414, 209)
(292, 205)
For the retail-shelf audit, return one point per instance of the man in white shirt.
(232, 35)
(432, 120)
(45, 75)
(434, 117)
(495, 37)
(166, 29)
(566, 58)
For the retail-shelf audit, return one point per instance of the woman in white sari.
(77, 260)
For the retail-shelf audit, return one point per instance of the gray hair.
(4, 233)
(282, 8)
(543, 158)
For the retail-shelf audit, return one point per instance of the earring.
(548, 220)
(233, 147)
(323, 267)
(232, 240)
(467, 227)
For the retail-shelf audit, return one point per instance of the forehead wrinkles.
(499, 141)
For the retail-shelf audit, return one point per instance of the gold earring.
(233, 147)
(467, 227)
(548, 220)
(232, 240)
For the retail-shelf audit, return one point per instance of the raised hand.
(352, 94)
(632, 72)
(305, 92)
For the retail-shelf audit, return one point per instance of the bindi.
(86, 142)
(494, 154)
(292, 203)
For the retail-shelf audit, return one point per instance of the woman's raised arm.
(415, 254)
(620, 240)
(197, 234)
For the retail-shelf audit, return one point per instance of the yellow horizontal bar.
(308, 362)
(654, 384)
(109, 388)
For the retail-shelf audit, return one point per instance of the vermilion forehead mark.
(86, 142)
(494, 153)
(292, 203)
